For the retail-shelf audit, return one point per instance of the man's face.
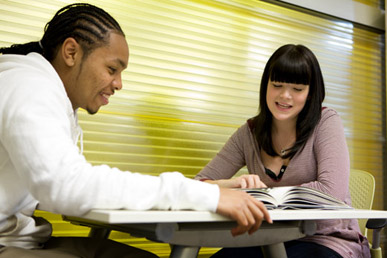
(99, 75)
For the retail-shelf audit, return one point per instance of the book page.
(303, 197)
(271, 197)
(264, 196)
(295, 197)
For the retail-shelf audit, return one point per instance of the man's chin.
(92, 111)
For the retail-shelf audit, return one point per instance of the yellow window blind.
(194, 73)
(374, 3)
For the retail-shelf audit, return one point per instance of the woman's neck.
(283, 128)
(283, 136)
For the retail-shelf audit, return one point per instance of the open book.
(296, 197)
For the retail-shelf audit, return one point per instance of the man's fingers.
(252, 215)
(247, 211)
(245, 221)
(265, 212)
(242, 224)
(258, 217)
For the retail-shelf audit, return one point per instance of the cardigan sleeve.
(229, 160)
(332, 157)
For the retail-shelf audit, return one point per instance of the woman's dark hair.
(291, 64)
(89, 25)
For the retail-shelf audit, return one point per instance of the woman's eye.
(297, 89)
(277, 86)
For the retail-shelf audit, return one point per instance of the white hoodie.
(40, 162)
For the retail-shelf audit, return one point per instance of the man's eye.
(112, 70)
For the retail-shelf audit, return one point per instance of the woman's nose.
(285, 93)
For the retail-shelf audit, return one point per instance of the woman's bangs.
(290, 71)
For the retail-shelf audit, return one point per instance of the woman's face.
(286, 100)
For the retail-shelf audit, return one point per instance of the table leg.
(274, 251)
(179, 251)
(99, 232)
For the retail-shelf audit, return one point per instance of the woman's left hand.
(247, 181)
(243, 181)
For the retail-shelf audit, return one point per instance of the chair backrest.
(362, 189)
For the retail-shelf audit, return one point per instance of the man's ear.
(71, 51)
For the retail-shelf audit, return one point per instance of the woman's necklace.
(283, 142)
(283, 152)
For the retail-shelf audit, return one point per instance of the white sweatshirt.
(40, 162)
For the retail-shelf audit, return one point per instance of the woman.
(292, 141)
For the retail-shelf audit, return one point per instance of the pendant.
(283, 153)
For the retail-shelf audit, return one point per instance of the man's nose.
(117, 83)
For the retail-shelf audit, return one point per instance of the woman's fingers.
(251, 181)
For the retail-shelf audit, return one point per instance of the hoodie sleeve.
(36, 132)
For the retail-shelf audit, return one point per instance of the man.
(78, 64)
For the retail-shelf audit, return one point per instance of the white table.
(187, 231)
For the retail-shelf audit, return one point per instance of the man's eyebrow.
(122, 63)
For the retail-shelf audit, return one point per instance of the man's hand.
(245, 209)
(243, 181)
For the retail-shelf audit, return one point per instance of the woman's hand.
(244, 181)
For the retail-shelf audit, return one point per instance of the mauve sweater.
(322, 164)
